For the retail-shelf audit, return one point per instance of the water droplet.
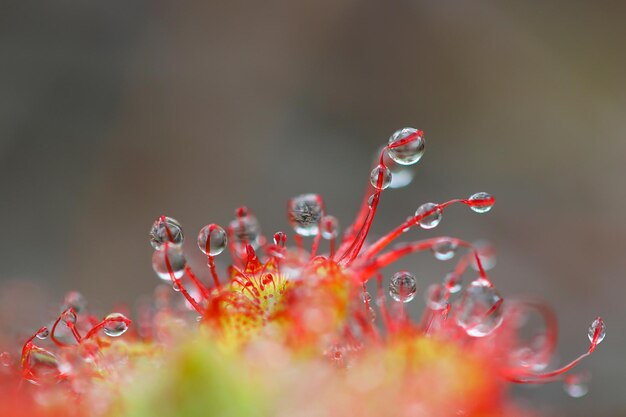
(245, 230)
(431, 219)
(436, 297)
(169, 260)
(5, 359)
(576, 386)
(481, 202)
(444, 249)
(164, 230)
(366, 297)
(280, 238)
(75, 300)
(403, 287)
(116, 325)
(69, 316)
(42, 366)
(329, 227)
(43, 333)
(401, 175)
(372, 313)
(380, 177)
(480, 311)
(406, 146)
(212, 240)
(453, 282)
(370, 200)
(598, 327)
(304, 213)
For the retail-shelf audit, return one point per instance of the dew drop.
(116, 325)
(170, 259)
(166, 230)
(280, 238)
(245, 231)
(403, 287)
(75, 300)
(380, 177)
(597, 331)
(330, 227)
(372, 313)
(42, 366)
(212, 240)
(304, 214)
(436, 297)
(480, 311)
(576, 386)
(431, 219)
(453, 282)
(401, 175)
(366, 297)
(69, 316)
(406, 146)
(43, 333)
(481, 202)
(370, 200)
(444, 249)
(5, 359)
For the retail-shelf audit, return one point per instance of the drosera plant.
(281, 310)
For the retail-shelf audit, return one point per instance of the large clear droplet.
(480, 310)
(406, 146)
(481, 202)
(329, 227)
(403, 287)
(380, 177)
(116, 325)
(246, 231)
(212, 240)
(599, 327)
(166, 230)
(431, 213)
(169, 261)
(444, 249)
(304, 214)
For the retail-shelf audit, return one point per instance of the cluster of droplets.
(479, 310)
(474, 311)
(50, 355)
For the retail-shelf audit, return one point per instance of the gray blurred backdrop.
(114, 112)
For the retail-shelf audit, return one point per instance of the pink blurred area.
(113, 113)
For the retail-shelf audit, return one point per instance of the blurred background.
(112, 113)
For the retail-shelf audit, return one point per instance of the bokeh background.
(112, 113)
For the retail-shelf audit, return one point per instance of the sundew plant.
(300, 324)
